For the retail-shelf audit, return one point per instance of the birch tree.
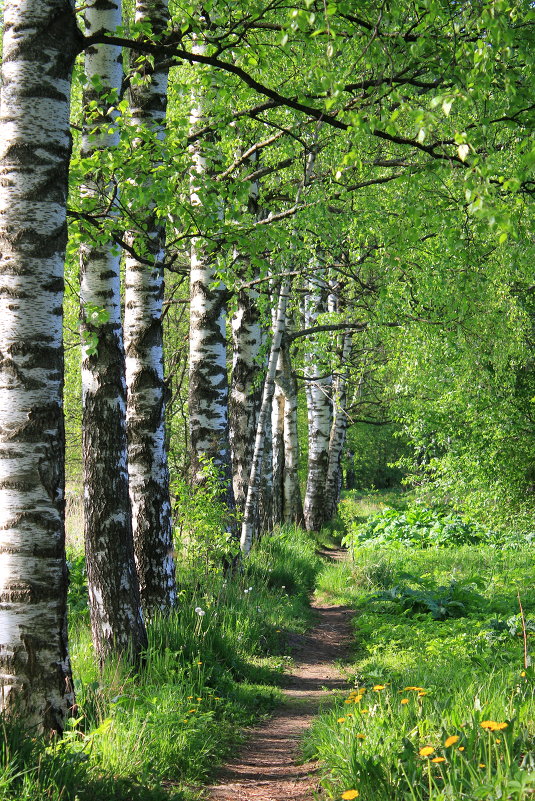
(114, 601)
(40, 40)
(319, 409)
(208, 380)
(143, 330)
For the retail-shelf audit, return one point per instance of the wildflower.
(488, 724)
(340, 720)
(350, 794)
(199, 663)
(199, 699)
(378, 687)
(482, 765)
(364, 711)
(523, 673)
(451, 740)
(420, 689)
(420, 695)
(500, 726)
(497, 741)
(461, 748)
(404, 700)
(200, 611)
(438, 759)
(190, 698)
(360, 736)
(426, 750)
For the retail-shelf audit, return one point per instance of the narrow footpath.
(266, 768)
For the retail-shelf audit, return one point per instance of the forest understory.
(425, 692)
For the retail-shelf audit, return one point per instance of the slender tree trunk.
(319, 409)
(208, 381)
(292, 502)
(333, 482)
(251, 503)
(143, 329)
(114, 602)
(39, 43)
(277, 445)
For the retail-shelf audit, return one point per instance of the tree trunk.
(277, 444)
(39, 45)
(292, 508)
(208, 381)
(333, 482)
(249, 515)
(319, 409)
(114, 602)
(143, 329)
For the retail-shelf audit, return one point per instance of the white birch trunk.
(114, 602)
(333, 481)
(292, 506)
(277, 445)
(39, 43)
(249, 515)
(143, 331)
(208, 381)
(319, 411)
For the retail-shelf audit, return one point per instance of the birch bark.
(143, 331)
(208, 381)
(319, 410)
(248, 525)
(333, 481)
(114, 601)
(39, 46)
(292, 506)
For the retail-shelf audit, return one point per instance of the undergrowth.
(212, 667)
(440, 703)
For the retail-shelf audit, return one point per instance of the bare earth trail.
(266, 768)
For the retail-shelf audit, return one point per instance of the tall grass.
(441, 708)
(211, 668)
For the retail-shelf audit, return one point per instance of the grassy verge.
(441, 704)
(212, 668)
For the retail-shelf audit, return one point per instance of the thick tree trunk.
(250, 512)
(319, 409)
(208, 381)
(39, 43)
(114, 602)
(245, 390)
(143, 330)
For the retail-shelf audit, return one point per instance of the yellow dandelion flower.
(340, 720)
(404, 701)
(523, 673)
(378, 687)
(500, 726)
(420, 689)
(426, 750)
(360, 736)
(364, 711)
(482, 765)
(498, 741)
(422, 693)
(461, 748)
(438, 759)
(350, 794)
(199, 699)
(357, 699)
(348, 701)
(199, 663)
(190, 698)
(488, 724)
(451, 740)
(350, 715)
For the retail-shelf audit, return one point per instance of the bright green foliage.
(212, 667)
(416, 526)
(437, 676)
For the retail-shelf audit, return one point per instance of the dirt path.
(266, 769)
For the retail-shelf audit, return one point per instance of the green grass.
(470, 666)
(160, 734)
